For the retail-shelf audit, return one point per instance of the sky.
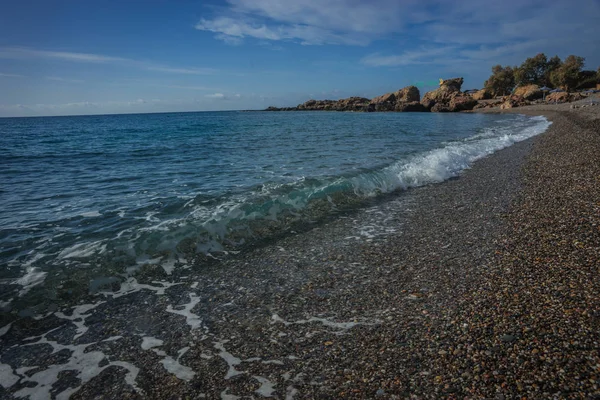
(102, 57)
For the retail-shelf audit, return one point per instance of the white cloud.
(308, 22)
(11, 75)
(59, 79)
(233, 31)
(184, 71)
(22, 52)
(200, 88)
(483, 29)
(28, 53)
(215, 96)
(423, 56)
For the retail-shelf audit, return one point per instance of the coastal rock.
(563, 97)
(514, 101)
(349, 104)
(451, 85)
(482, 94)
(385, 98)
(560, 97)
(352, 104)
(462, 103)
(413, 106)
(442, 96)
(400, 100)
(440, 108)
(408, 94)
(529, 92)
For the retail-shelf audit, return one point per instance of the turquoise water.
(105, 194)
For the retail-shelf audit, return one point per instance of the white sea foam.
(266, 387)
(446, 162)
(33, 277)
(91, 214)
(230, 359)
(174, 367)
(340, 326)
(149, 342)
(193, 320)
(85, 363)
(4, 330)
(83, 250)
(80, 313)
(7, 376)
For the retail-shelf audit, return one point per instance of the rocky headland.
(447, 98)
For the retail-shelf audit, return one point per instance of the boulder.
(413, 106)
(448, 89)
(385, 98)
(563, 97)
(482, 94)
(397, 101)
(352, 104)
(514, 101)
(462, 103)
(529, 92)
(408, 94)
(560, 97)
(440, 108)
(452, 85)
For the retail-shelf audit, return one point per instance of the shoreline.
(347, 312)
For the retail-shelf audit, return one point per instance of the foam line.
(193, 320)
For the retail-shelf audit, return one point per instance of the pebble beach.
(484, 286)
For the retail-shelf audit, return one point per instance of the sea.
(86, 200)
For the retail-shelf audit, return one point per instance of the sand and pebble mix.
(485, 286)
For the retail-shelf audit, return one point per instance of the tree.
(568, 74)
(553, 64)
(532, 71)
(502, 80)
(587, 80)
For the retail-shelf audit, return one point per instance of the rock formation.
(482, 94)
(563, 97)
(529, 92)
(349, 104)
(514, 101)
(398, 101)
(448, 97)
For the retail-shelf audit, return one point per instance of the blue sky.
(85, 57)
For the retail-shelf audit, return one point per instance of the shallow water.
(98, 196)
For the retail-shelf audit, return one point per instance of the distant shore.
(447, 98)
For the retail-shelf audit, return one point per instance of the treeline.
(567, 74)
